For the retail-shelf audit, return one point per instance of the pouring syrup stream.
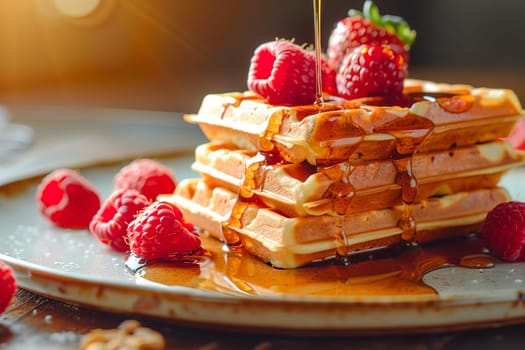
(317, 46)
(341, 238)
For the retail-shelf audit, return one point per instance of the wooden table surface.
(35, 322)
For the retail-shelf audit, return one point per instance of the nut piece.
(130, 335)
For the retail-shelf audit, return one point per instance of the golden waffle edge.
(441, 116)
(301, 189)
(393, 174)
(290, 242)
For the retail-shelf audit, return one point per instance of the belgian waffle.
(290, 242)
(299, 184)
(439, 117)
(301, 189)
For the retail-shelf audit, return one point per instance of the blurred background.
(166, 54)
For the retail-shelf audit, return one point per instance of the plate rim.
(503, 302)
(507, 295)
(236, 311)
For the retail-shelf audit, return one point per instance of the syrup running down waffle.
(300, 184)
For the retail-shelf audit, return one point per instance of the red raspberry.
(283, 73)
(328, 75)
(371, 70)
(7, 286)
(111, 222)
(67, 199)
(368, 28)
(159, 232)
(147, 177)
(504, 231)
(352, 32)
(517, 137)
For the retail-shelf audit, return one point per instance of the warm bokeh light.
(165, 54)
(76, 8)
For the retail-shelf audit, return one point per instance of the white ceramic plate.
(72, 266)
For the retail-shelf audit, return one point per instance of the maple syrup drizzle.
(336, 167)
(338, 196)
(252, 179)
(342, 253)
(232, 219)
(479, 261)
(229, 268)
(409, 132)
(135, 263)
(265, 155)
(409, 188)
(456, 103)
(227, 105)
(317, 46)
(390, 272)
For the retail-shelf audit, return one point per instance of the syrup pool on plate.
(397, 271)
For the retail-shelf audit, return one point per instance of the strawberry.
(504, 231)
(67, 199)
(111, 222)
(159, 232)
(371, 70)
(146, 176)
(368, 28)
(283, 73)
(7, 286)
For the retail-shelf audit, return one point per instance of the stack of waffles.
(299, 184)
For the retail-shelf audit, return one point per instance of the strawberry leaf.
(393, 24)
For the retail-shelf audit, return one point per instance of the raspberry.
(504, 231)
(7, 286)
(147, 177)
(517, 137)
(159, 232)
(111, 222)
(351, 32)
(371, 70)
(67, 199)
(283, 73)
(369, 28)
(328, 76)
